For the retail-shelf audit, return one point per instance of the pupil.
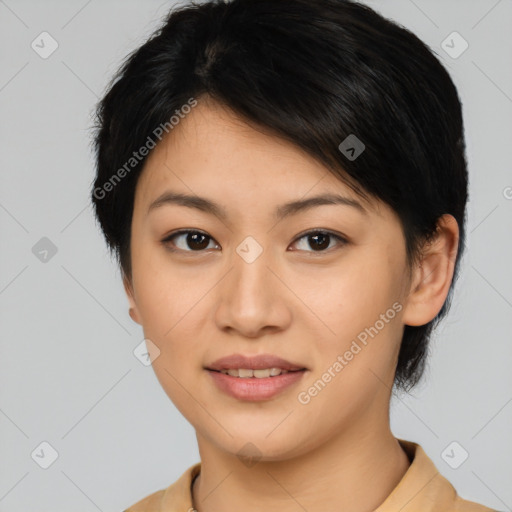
(193, 238)
(323, 237)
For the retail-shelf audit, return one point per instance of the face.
(322, 287)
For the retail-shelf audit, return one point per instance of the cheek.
(356, 349)
(351, 297)
(174, 306)
(172, 312)
(164, 294)
(357, 317)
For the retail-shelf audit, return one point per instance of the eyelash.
(341, 240)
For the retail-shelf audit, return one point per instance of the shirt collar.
(421, 489)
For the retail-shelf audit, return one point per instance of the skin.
(302, 304)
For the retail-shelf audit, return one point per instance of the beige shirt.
(422, 489)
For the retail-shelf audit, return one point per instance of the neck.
(356, 471)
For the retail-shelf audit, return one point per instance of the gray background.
(68, 374)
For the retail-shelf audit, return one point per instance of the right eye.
(196, 241)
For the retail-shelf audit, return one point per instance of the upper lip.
(259, 362)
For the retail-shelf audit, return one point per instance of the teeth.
(245, 373)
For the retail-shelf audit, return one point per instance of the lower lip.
(252, 388)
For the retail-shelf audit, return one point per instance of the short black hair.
(312, 73)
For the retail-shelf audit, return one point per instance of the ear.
(133, 311)
(433, 274)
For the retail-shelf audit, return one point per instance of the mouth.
(255, 385)
(259, 366)
(248, 373)
(254, 377)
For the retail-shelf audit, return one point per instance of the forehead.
(214, 152)
(212, 138)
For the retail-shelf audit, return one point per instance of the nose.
(253, 301)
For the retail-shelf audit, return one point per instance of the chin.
(257, 445)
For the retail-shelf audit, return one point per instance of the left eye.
(196, 241)
(320, 240)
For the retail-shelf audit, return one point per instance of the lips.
(257, 362)
(258, 387)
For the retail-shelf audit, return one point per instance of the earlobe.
(433, 274)
(133, 311)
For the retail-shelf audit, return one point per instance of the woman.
(284, 185)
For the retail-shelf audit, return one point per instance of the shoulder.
(424, 488)
(176, 498)
(462, 505)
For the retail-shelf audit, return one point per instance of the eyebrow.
(292, 208)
